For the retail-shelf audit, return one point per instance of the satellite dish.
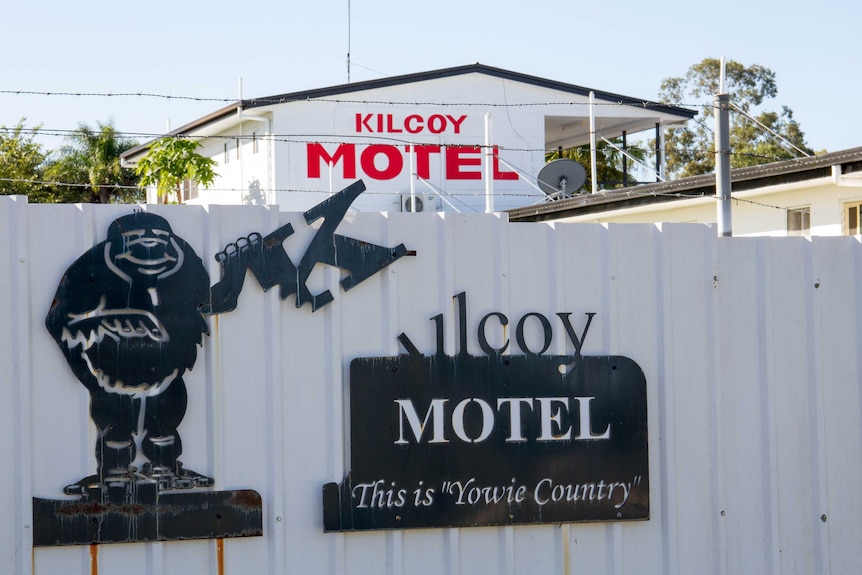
(561, 178)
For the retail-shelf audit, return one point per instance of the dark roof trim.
(199, 123)
(459, 71)
(743, 179)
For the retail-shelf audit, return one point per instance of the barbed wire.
(288, 99)
(368, 140)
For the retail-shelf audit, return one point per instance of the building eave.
(131, 156)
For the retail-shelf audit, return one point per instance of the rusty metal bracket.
(170, 517)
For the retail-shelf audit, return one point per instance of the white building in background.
(815, 196)
(475, 137)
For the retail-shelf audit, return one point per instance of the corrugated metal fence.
(751, 348)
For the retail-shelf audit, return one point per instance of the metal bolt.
(823, 518)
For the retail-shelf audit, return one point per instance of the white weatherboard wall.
(751, 350)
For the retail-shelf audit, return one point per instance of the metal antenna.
(348, 41)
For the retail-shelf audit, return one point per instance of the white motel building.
(474, 136)
(474, 139)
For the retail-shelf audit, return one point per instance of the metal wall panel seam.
(765, 270)
(743, 409)
(336, 380)
(716, 414)
(562, 532)
(646, 270)
(91, 235)
(665, 410)
(21, 384)
(452, 552)
(207, 241)
(790, 327)
(605, 281)
(156, 558)
(695, 525)
(276, 484)
(445, 264)
(14, 538)
(818, 409)
(388, 301)
(508, 536)
(394, 552)
(212, 346)
(448, 223)
(552, 299)
(841, 397)
(615, 324)
(642, 284)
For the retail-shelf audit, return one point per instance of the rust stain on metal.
(94, 559)
(245, 499)
(220, 555)
(98, 508)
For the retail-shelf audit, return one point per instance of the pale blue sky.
(201, 49)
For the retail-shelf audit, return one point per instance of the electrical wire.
(769, 130)
(646, 104)
(364, 140)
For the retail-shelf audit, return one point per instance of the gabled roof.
(460, 71)
(742, 179)
(245, 104)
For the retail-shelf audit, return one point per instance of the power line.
(287, 99)
(364, 140)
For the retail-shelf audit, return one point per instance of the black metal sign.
(129, 316)
(494, 439)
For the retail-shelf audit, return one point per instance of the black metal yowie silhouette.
(129, 316)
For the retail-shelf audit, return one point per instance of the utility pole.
(721, 111)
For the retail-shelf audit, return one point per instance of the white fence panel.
(751, 348)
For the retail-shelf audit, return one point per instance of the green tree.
(690, 150)
(169, 162)
(21, 161)
(609, 163)
(89, 166)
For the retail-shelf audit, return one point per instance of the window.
(254, 142)
(853, 219)
(799, 222)
(238, 147)
(226, 153)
